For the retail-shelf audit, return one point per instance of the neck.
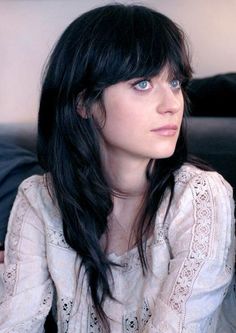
(126, 175)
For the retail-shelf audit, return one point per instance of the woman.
(121, 234)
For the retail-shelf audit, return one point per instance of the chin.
(160, 157)
(165, 153)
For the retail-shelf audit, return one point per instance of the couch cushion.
(213, 96)
(214, 140)
(23, 135)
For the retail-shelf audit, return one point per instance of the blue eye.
(142, 85)
(175, 84)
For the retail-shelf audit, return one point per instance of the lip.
(167, 130)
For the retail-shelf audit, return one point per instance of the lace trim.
(56, 237)
(131, 261)
(133, 323)
(14, 238)
(200, 243)
(66, 306)
(9, 280)
(45, 303)
(146, 313)
(184, 176)
(94, 324)
(161, 234)
(9, 276)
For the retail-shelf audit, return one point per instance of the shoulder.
(202, 198)
(33, 182)
(37, 191)
(34, 188)
(192, 177)
(201, 213)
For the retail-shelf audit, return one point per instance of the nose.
(169, 101)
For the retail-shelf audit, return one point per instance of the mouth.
(167, 130)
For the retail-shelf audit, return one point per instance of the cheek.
(119, 124)
(121, 116)
(179, 115)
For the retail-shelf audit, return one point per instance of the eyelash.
(178, 86)
(172, 84)
(135, 85)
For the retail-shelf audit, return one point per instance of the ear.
(80, 105)
(82, 112)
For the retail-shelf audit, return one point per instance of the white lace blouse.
(191, 258)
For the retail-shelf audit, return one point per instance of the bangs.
(138, 43)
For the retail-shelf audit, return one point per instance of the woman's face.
(143, 117)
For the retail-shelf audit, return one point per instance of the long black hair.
(102, 47)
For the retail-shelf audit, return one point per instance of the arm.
(16, 164)
(201, 240)
(27, 289)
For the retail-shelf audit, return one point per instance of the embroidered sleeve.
(201, 239)
(26, 294)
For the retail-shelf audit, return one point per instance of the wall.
(29, 28)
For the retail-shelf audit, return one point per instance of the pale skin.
(143, 119)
